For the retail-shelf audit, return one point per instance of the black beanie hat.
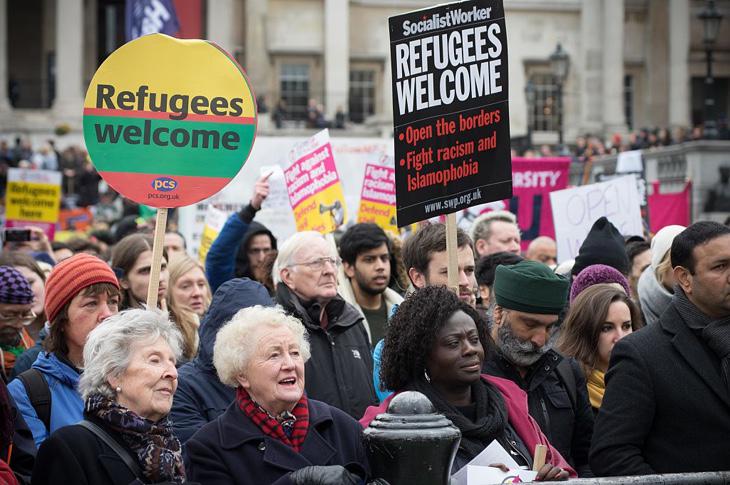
(603, 245)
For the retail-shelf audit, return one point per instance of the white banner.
(575, 210)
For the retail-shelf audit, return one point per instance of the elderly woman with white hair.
(128, 383)
(272, 433)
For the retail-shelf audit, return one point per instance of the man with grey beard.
(529, 298)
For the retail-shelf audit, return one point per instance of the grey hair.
(290, 248)
(108, 346)
(237, 340)
(481, 226)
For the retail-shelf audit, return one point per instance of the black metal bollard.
(411, 443)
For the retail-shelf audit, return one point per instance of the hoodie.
(66, 404)
(220, 263)
(201, 396)
(243, 267)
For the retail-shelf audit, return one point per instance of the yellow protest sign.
(33, 198)
(314, 187)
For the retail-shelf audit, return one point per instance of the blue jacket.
(66, 404)
(201, 396)
(232, 450)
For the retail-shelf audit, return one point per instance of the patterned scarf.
(290, 429)
(596, 388)
(10, 353)
(715, 333)
(156, 447)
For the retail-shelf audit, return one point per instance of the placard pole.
(160, 226)
(451, 251)
(540, 455)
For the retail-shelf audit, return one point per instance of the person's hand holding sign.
(260, 191)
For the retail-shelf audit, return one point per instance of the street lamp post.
(530, 97)
(559, 65)
(711, 19)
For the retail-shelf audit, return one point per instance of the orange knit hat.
(72, 275)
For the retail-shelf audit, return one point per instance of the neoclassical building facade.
(633, 63)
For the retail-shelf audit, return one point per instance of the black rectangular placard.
(450, 108)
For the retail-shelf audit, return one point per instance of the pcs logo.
(164, 184)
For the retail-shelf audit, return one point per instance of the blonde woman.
(188, 299)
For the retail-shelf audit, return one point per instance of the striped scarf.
(291, 427)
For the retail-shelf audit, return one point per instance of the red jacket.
(517, 412)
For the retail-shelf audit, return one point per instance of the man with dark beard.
(529, 297)
(365, 252)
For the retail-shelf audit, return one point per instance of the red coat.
(515, 400)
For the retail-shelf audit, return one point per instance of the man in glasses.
(16, 301)
(339, 371)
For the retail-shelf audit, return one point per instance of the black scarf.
(157, 449)
(491, 415)
(715, 333)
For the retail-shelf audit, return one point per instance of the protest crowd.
(257, 364)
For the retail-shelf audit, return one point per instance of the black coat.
(567, 425)
(666, 408)
(73, 454)
(232, 450)
(340, 370)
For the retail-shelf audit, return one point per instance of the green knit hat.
(530, 287)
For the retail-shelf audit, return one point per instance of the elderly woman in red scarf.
(272, 433)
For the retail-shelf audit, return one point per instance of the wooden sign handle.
(540, 455)
(160, 226)
(451, 251)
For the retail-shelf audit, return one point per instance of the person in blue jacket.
(243, 247)
(81, 292)
(201, 396)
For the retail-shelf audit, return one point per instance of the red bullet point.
(400, 137)
(402, 162)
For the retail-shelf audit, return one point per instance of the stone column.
(69, 101)
(4, 102)
(678, 101)
(257, 57)
(613, 67)
(336, 55)
(589, 62)
(219, 25)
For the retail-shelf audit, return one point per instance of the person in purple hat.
(16, 303)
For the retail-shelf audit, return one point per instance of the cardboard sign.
(169, 122)
(450, 109)
(377, 199)
(532, 182)
(575, 210)
(33, 198)
(315, 191)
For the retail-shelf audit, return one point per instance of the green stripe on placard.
(208, 149)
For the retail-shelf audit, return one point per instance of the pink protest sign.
(377, 200)
(314, 187)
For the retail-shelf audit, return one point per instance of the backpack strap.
(99, 432)
(565, 373)
(39, 394)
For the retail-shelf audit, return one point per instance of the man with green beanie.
(529, 298)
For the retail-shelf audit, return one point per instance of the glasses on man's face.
(319, 264)
(24, 318)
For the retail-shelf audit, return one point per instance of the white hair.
(108, 346)
(237, 340)
(290, 248)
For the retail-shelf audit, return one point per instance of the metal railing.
(704, 478)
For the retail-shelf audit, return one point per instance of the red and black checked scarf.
(270, 426)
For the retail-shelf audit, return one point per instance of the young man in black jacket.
(529, 297)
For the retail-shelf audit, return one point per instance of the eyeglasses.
(24, 318)
(318, 264)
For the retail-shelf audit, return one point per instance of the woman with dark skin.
(435, 345)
